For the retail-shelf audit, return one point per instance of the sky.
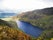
(24, 5)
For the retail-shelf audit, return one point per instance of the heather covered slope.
(9, 33)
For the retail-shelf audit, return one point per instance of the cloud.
(0, 0)
(49, 3)
(25, 5)
(48, 0)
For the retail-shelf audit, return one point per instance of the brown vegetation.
(7, 33)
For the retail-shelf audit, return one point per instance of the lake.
(29, 29)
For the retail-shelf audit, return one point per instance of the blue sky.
(24, 5)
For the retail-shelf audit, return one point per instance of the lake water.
(29, 29)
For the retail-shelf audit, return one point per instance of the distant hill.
(46, 11)
(3, 15)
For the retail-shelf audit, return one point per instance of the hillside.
(9, 33)
(8, 23)
(42, 18)
(4, 23)
(5, 15)
(36, 14)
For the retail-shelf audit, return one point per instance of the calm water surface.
(29, 29)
